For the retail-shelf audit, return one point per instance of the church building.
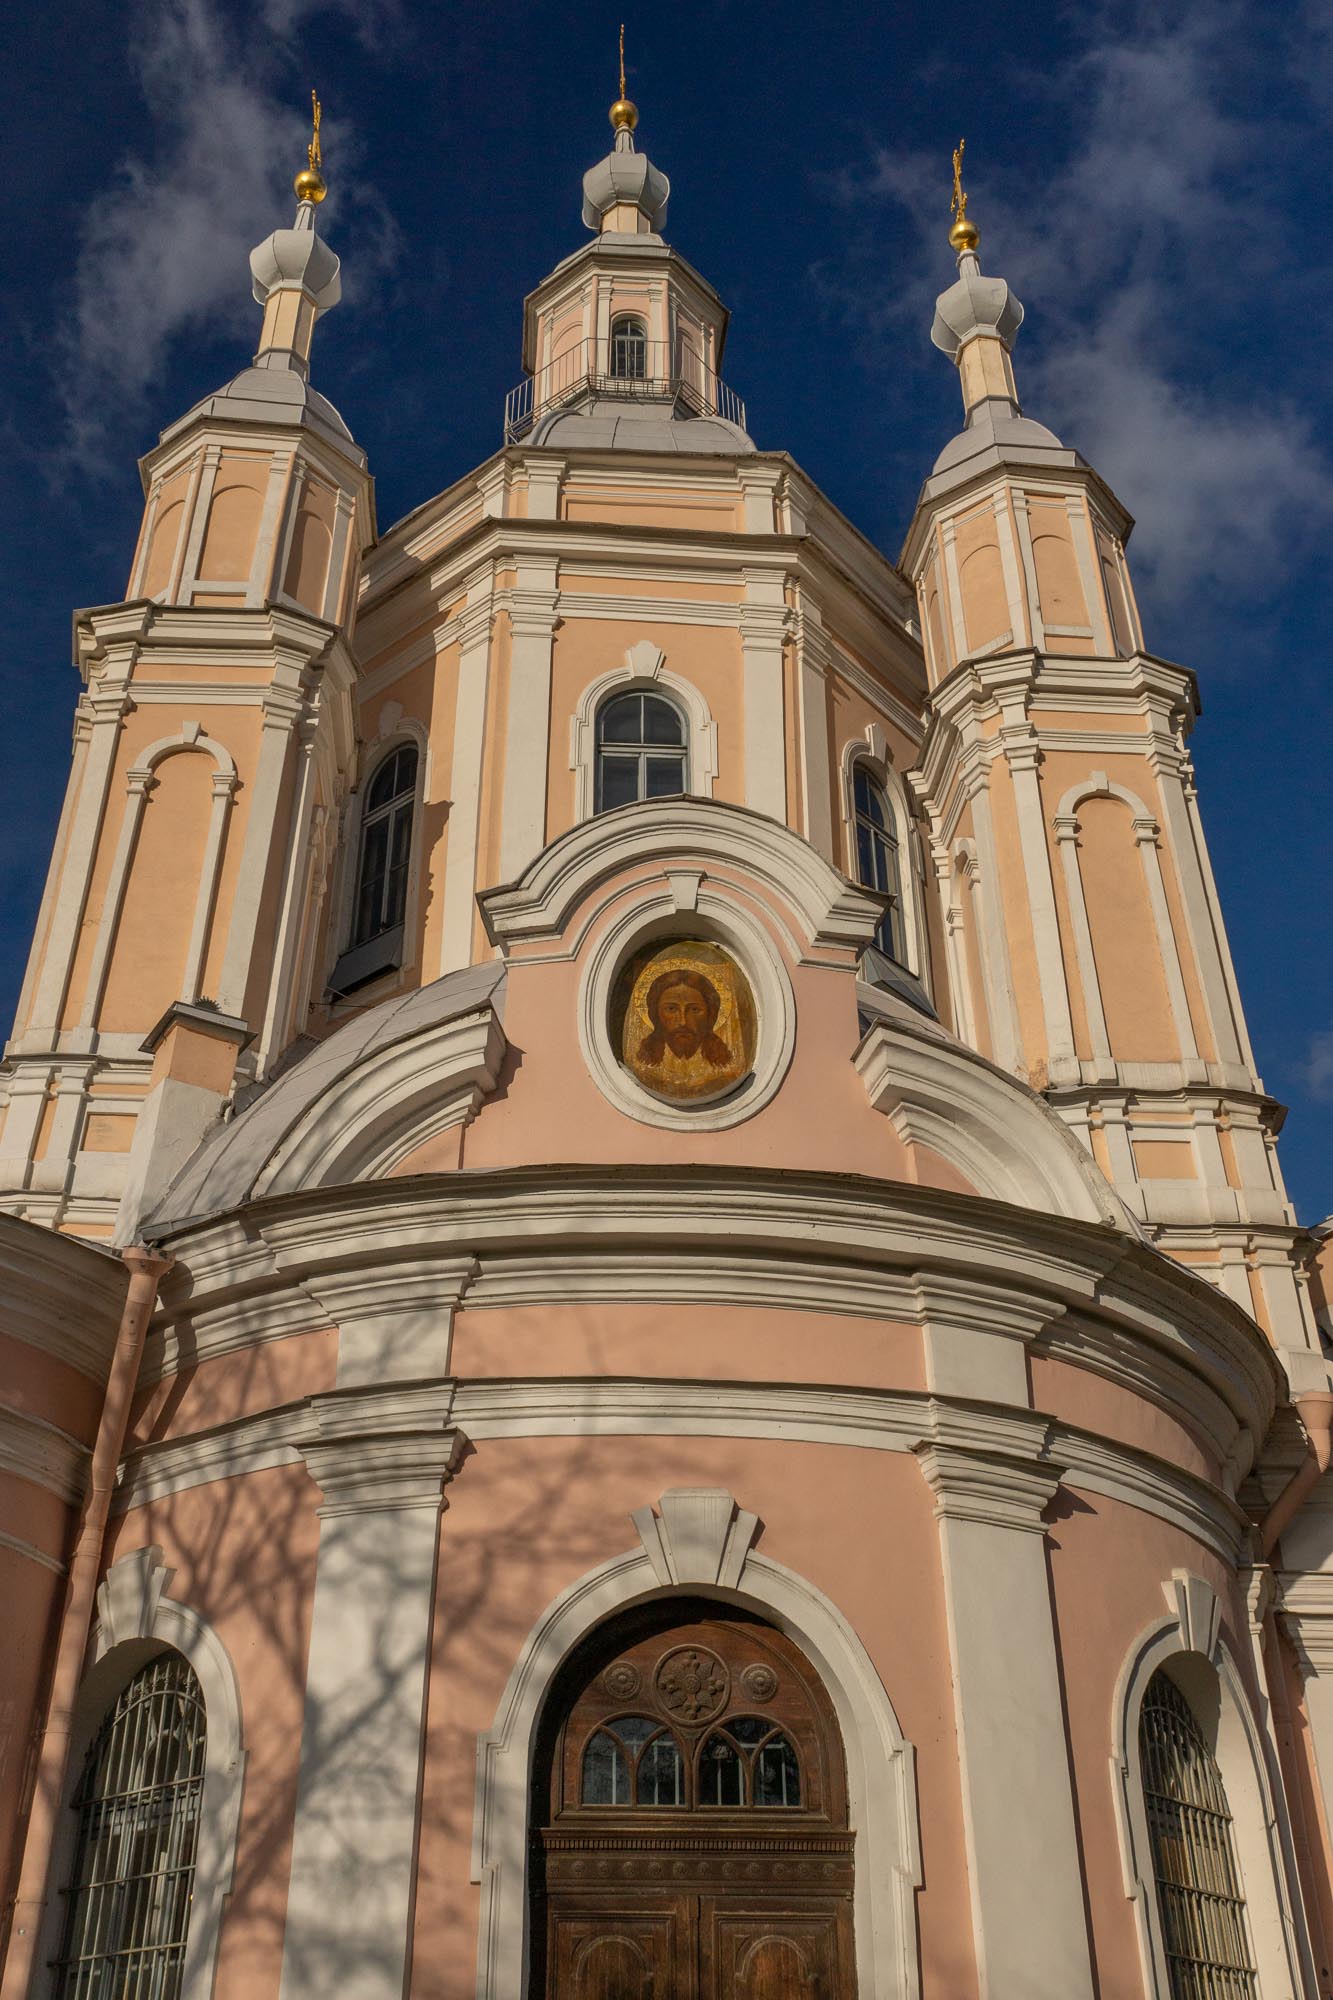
(651, 1346)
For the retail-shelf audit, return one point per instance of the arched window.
(386, 846)
(629, 349)
(640, 750)
(1189, 1828)
(138, 1809)
(877, 858)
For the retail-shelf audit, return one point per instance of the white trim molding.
(644, 666)
(701, 1541)
(136, 1619)
(1188, 1644)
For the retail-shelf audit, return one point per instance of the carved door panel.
(622, 1950)
(788, 1952)
(693, 1841)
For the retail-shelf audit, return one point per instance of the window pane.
(661, 721)
(396, 775)
(666, 776)
(605, 1773)
(395, 890)
(777, 1775)
(634, 1729)
(370, 890)
(619, 782)
(661, 1774)
(865, 855)
(621, 721)
(748, 1729)
(721, 1777)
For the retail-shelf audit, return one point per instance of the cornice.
(61, 1296)
(395, 1447)
(43, 1455)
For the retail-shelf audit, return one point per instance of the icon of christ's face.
(682, 1014)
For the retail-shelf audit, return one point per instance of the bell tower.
(1087, 951)
(211, 747)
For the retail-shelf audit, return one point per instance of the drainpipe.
(1315, 1410)
(146, 1268)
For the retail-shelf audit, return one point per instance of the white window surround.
(872, 750)
(403, 730)
(136, 1620)
(1188, 1644)
(699, 1544)
(684, 904)
(644, 666)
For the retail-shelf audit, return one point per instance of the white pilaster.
(283, 706)
(532, 626)
(463, 829)
(349, 1903)
(763, 628)
(1018, 1812)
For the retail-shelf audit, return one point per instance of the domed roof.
(607, 423)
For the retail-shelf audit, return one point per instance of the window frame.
(353, 965)
(630, 331)
(883, 837)
(399, 809)
(641, 749)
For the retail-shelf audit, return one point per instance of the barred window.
(629, 350)
(1194, 1861)
(138, 1810)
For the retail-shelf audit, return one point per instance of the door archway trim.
(881, 1770)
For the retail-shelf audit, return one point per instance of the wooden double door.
(691, 1820)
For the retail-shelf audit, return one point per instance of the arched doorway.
(690, 1818)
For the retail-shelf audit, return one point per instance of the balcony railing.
(653, 371)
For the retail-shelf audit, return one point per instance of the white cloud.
(1319, 1067)
(1146, 256)
(164, 250)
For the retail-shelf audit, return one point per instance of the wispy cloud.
(1151, 260)
(164, 249)
(1319, 1067)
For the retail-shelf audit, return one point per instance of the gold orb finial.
(964, 234)
(624, 115)
(310, 184)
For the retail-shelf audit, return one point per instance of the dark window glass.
(386, 846)
(877, 859)
(721, 1773)
(777, 1775)
(748, 1729)
(640, 750)
(138, 1806)
(605, 1773)
(633, 1730)
(661, 1774)
(629, 350)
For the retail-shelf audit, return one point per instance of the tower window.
(138, 1808)
(629, 349)
(877, 858)
(640, 750)
(386, 846)
(1194, 1861)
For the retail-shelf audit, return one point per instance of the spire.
(296, 275)
(977, 318)
(624, 194)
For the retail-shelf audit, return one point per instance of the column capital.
(375, 1454)
(990, 1469)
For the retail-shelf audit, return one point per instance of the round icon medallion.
(683, 1020)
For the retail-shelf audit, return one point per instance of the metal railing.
(645, 371)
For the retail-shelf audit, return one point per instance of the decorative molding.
(1247, 1757)
(699, 1536)
(43, 1455)
(880, 1762)
(644, 666)
(722, 838)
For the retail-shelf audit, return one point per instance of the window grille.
(1189, 1826)
(138, 1808)
(640, 750)
(877, 859)
(386, 846)
(629, 350)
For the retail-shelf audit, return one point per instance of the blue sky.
(1148, 178)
